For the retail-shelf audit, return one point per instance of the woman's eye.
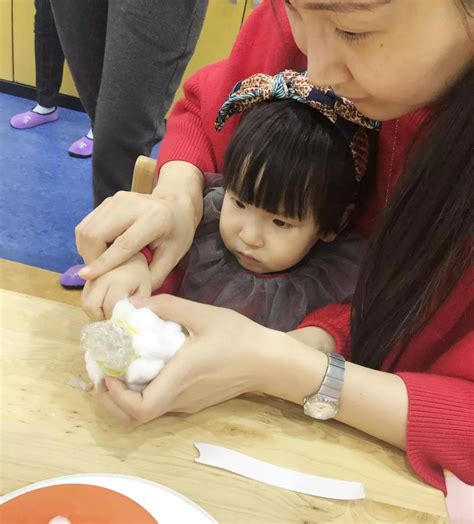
(349, 35)
(280, 223)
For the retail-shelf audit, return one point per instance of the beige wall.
(6, 46)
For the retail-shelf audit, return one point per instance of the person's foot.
(70, 279)
(82, 148)
(32, 119)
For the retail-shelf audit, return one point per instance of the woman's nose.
(326, 66)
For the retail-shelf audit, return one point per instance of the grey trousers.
(49, 56)
(127, 58)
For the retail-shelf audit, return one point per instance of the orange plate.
(80, 503)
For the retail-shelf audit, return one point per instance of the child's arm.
(314, 337)
(131, 278)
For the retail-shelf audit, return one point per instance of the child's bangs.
(276, 183)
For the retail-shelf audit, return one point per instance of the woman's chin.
(380, 110)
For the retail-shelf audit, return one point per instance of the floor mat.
(44, 192)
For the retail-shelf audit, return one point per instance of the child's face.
(263, 242)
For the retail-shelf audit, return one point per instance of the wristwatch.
(324, 404)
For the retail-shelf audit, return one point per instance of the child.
(271, 243)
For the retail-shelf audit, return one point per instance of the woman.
(409, 331)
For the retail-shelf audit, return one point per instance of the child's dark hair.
(290, 160)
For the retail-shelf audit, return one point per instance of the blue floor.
(44, 192)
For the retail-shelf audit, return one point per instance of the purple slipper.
(70, 278)
(31, 119)
(82, 148)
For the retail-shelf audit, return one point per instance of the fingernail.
(84, 271)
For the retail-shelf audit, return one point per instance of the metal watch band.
(334, 378)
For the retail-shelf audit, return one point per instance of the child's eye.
(281, 223)
(238, 203)
(349, 35)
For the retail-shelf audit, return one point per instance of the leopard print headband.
(296, 86)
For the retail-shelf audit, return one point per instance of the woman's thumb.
(189, 314)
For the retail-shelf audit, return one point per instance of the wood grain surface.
(49, 429)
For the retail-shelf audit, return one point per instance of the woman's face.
(390, 57)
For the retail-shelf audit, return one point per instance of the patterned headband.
(291, 85)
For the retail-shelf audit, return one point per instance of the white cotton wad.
(134, 345)
(59, 520)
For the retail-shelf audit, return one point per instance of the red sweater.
(438, 365)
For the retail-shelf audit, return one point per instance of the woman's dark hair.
(288, 159)
(423, 244)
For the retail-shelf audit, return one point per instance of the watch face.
(321, 409)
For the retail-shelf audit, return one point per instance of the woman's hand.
(226, 355)
(130, 279)
(127, 222)
(207, 370)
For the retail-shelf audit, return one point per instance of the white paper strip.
(251, 468)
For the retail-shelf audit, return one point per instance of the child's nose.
(251, 236)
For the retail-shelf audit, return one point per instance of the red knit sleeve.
(440, 426)
(440, 433)
(335, 319)
(185, 138)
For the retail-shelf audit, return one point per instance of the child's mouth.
(247, 258)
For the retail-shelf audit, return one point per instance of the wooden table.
(50, 429)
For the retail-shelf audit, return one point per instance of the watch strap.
(334, 377)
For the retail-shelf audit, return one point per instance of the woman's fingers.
(113, 295)
(165, 258)
(161, 396)
(126, 223)
(136, 237)
(92, 300)
(111, 406)
(138, 407)
(211, 367)
(192, 315)
(143, 291)
(101, 227)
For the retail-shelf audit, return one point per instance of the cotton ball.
(123, 310)
(142, 370)
(172, 337)
(93, 369)
(59, 520)
(169, 325)
(173, 341)
(144, 320)
(150, 346)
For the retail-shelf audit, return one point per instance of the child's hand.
(130, 279)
